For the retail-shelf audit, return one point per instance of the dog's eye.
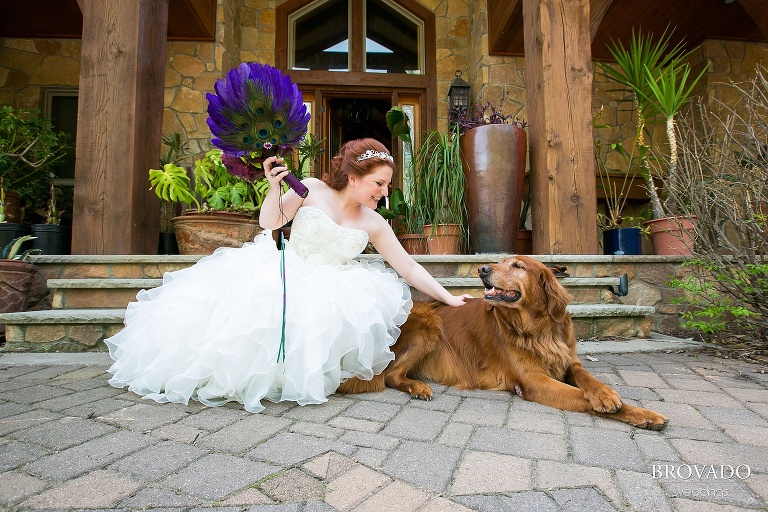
(517, 264)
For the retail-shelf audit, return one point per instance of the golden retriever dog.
(518, 338)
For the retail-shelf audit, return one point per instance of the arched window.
(322, 36)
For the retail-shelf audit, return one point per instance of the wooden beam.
(597, 10)
(758, 10)
(505, 22)
(122, 78)
(558, 74)
(80, 4)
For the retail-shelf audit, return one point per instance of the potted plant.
(493, 151)
(51, 237)
(408, 218)
(225, 205)
(439, 190)
(660, 83)
(29, 147)
(16, 275)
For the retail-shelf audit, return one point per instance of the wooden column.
(122, 77)
(558, 75)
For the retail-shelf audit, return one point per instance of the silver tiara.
(375, 154)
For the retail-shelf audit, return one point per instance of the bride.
(256, 323)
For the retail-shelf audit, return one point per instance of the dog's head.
(522, 282)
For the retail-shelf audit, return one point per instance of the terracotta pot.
(493, 157)
(15, 284)
(671, 236)
(444, 239)
(203, 233)
(12, 207)
(413, 243)
(524, 242)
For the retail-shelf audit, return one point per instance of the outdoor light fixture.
(458, 96)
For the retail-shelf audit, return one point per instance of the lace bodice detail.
(314, 232)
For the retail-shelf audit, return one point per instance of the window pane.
(393, 39)
(320, 36)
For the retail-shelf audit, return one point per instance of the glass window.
(393, 39)
(319, 35)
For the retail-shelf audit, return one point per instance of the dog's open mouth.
(503, 295)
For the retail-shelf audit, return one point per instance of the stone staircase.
(89, 294)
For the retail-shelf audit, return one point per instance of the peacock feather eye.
(253, 106)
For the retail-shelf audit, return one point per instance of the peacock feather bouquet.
(257, 112)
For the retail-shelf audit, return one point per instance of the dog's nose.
(484, 270)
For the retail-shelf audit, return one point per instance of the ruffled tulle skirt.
(212, 332)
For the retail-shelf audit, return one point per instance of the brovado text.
(700, 472)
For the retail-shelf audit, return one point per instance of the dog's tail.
(354, 385)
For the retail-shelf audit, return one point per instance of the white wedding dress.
(212, 332)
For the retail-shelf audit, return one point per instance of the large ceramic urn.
(493, 157)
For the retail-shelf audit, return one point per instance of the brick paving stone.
(214, 418)
(14, 454)
(408, 499)
(728, 491)
(74, 399)
(486, 473)
(759, 485)
(491, 413)
(456, 434)
(69, 432)
(705, 452)
(329, 465)
(442, 402)
(145, 416)
(642, 492)
(696, 398)
(45, 373)
(740, 415)
(371, 457)
(369, 440)
(643, 379)
(427, 465)
(335, 405)
(179, 433)
(244, 434)
(655, 447)
(679, 415)
(503, 396)
(81, 374)
(553, 423)
(440, 504)
(530, 501)
(315, 430)
(525, 444)
(13, 409)
(158, 461)
(217, 475)
(287, 448)
(292, 486)
(417, 424)
(33, 394)
(683, 505)
(552, 475)
(12, 385)
(700, 434)
(15, 485)
(747, 434)
(153, 498)
(249, 496)
(352, 487)
(482, 503)
(748, 395)
(373, 411)
(692, 384)
(98, 489)
(605, 449)
(347, 423)
(89, 456)
(98, 408)
(629, 393)
(26, 420)
(579, 500)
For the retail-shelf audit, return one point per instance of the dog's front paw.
(420, 390)
(645, 418)
(603, 399)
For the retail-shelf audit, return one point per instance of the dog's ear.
(557, 296)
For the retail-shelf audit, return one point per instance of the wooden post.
(558, 75)
(122, 77)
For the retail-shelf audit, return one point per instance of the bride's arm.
(387, 244)
(276, 210)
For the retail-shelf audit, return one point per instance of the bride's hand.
(274, 174)
(458, 300)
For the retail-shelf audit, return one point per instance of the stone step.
(118, 292)
(81, 330)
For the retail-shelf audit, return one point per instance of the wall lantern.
(458, 96)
